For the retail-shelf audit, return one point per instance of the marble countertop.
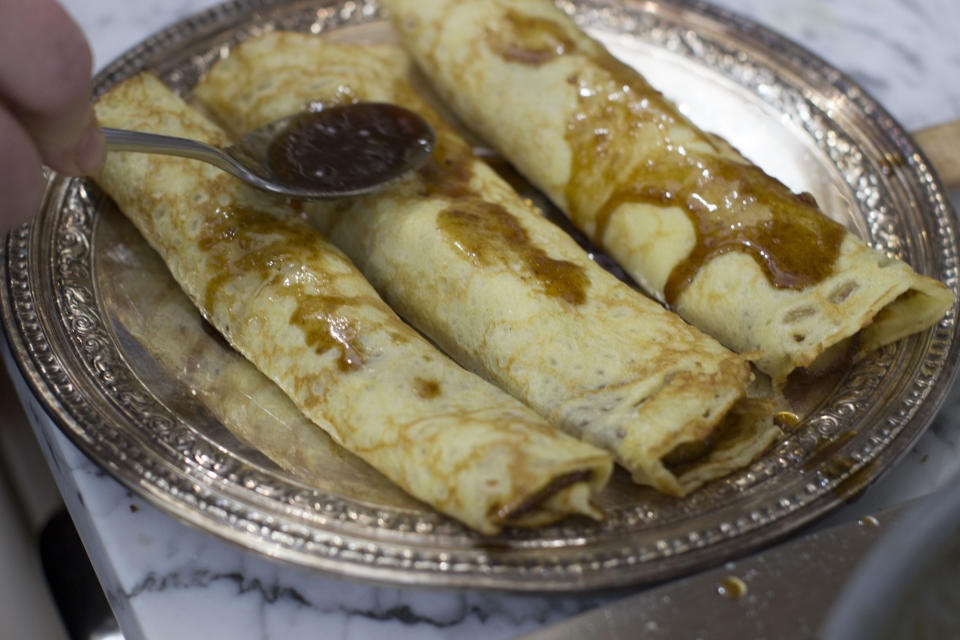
(167, 580)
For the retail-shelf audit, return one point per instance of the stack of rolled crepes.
(463, 258)
(508, 295)
(299, 310)
(731, 249)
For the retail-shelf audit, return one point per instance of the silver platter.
(140, 412)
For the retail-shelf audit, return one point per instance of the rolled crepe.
(150, 306)
(731, 249)
(301, 312)
(508, 294)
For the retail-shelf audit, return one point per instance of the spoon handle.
(141, 142)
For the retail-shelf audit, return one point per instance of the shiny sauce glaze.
(486, 232)
(241, 241)
(347, 147)
(529, 40)
(732, 205)
(325, 328)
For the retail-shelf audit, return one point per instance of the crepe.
(731, 249)
(506, 293)
(212, 378)
(299, 310)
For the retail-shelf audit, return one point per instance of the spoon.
(337, 151)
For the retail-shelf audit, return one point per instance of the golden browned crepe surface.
(298, 309)
(506, 293)
(727, 246)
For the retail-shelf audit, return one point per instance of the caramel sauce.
(786, 420)
(868, 521)
(242, 241)
(529, 40)
(426, 389)
(732, 587)
(486, 232)
(733, 205)
(347, 147)
(448, 171)
(326, 329)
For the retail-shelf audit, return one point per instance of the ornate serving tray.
(89, 311)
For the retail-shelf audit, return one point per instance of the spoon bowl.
(344, 150)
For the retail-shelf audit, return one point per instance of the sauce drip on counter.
(631, 145)
(348, 147)
(732, 587)
(486, 231)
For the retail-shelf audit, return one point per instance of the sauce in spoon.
(348, 148)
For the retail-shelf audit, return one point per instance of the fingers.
(21, 179)
(45, 68)
(45, 110)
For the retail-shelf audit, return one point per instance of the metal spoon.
(337, 151)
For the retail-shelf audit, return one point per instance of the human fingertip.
(91, 151)
(22, 179)
(22, 202)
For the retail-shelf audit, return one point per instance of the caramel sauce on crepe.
(264, 245)
(732, 205)
(486, 231)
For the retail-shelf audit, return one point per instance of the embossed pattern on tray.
(98, 386)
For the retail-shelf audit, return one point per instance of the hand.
(45, 110)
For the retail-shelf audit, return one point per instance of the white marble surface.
(166, 580)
